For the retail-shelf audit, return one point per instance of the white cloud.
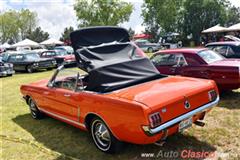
(54, 16)
(235, 3)
(4, 6)
(135, 21)
(139, 29)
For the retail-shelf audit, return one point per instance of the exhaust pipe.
(199, 123)
(161, 142)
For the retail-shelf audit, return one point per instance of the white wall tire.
(103, 138)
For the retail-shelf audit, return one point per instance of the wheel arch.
(90, 116)
(27, 97)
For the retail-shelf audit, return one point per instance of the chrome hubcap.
(102, 134)
(33, 108)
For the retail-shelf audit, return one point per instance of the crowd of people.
(218, 37)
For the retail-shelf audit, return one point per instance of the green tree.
(37, 35)
(15, 25)
(131, 32)
(199, 15)
(161, 16)
(187, 17)
(102, 12)
(66, 34)
(27, 22)
(232, 15)
(8, 26)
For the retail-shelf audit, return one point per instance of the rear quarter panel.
(226, 77)
(123, 117)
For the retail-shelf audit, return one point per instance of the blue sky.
(55, 15)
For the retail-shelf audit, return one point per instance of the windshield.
(61, 52)
(66, 48)
(210, 56)
(32, 56)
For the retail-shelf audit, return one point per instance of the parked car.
(170, 41)
(2, 50)
(61, 57)
(6, 69)
(28, 61)
(146, 46)
(199, 63)
(229, 49)
(121, 97)
(39, 51)
(68, 49)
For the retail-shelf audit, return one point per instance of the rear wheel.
(35, 113)
(49, 69)
(103, 138)
(150, 50)
(29, 69)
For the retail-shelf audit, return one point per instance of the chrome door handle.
(67, 95)
(46, 93)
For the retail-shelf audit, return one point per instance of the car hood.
(41, 60)
(40, 83)
(164, 90)
(152, 44)
(70, 57)
(227, 62)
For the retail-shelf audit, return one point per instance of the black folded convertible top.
(93, 36)
(111, 61)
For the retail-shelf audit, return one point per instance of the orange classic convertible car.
(121, 96)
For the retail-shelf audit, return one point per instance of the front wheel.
(48, 69)
(150, 50)
(29, 69)
(103, 138)
(35, 113)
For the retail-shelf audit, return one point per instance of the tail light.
(212, 95)
(154, 119)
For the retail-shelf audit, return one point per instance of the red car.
(121, 97)
(60, 56)
(199, 63)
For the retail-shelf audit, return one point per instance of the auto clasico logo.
(184, 154)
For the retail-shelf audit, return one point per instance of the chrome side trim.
(63, 118)
(182, 117)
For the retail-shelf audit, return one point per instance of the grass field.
(24, 138)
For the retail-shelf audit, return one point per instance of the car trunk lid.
(227, 62)
(171, 96)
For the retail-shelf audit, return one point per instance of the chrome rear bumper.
(152, 131)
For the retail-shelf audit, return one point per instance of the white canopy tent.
(52, 42)
(235, 27)
(215, 29)
(26, 43)
(5, 45)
